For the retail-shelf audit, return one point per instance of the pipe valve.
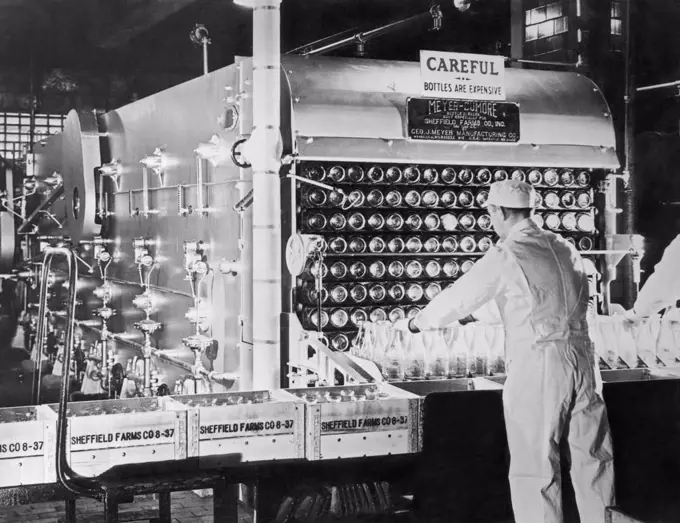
(144, 301)
(199, 316)
(112, 170)
(104, 292)
(214, 151)
(193, 258)
(54, 181)
(156, 161)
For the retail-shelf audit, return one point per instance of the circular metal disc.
(80, 159)
(295, 255)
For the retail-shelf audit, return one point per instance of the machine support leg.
(164, 508)
(225, 502)
(110, 509)
(70, 511)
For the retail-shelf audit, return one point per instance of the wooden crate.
(259, 425)
(103, 434)
(370, 420)
(27, 446)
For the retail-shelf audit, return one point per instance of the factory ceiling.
(152, 36)
(87, 33)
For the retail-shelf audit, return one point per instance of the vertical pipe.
(629, 285)
(31, 96)
(517, 30)
(200, 204)
(205, 43)
(264, 153)
(609, 205)
(245, 347)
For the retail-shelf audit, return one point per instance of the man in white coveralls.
(538, 281)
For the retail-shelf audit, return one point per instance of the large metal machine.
(188, 275)
(156, 202)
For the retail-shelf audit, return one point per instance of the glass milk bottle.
(496, 340)
(665, 345)
(437, 355)
(358, 343)
(393, 357)
(478, 349)
(646, 341)
(380, 340)
(458, 353)
(414, 362)
(628, 345)
(611, 337)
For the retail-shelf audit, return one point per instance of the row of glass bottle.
(653, 342)
(338, 245)
(357, 316)
(396, 293)
(479, 348)
(452, 352)
(429, 198)
(395, 269)
(448, 175)
(357, 221)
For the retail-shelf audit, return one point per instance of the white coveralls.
(662, 288)
(538, 282)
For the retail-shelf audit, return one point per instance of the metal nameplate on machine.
(27, 449)
(259, 425)
(103, 434)
(360, 420)
(462, 120)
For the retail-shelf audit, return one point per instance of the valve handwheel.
(236, 155)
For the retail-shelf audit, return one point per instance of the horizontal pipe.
(158, 353)
(366, 36)
(658, 86)
(607, 252)
(137, 284)
(541, 62)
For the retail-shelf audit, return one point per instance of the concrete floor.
(186, 507)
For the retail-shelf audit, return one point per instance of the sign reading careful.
(462, 76)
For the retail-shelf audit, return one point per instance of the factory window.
(546, 21)
(15, 131)
(616, 18)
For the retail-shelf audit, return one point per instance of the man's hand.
(402, 325)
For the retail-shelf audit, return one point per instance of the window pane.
(546, 29)
(555, 10)
(616, 27)
(15, 131)
(561, 25)
(531, 33)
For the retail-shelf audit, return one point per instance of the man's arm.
(472, 290)
(662, 288)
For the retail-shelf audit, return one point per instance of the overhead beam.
(135, 18)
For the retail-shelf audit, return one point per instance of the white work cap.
(512, 193)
